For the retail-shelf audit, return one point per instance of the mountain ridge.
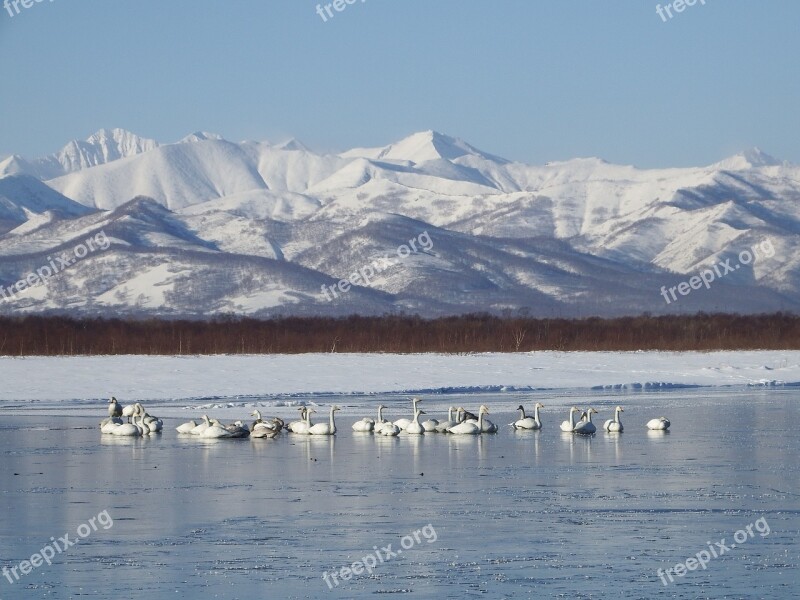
(568, 238)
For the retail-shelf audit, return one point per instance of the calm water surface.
(511, 515)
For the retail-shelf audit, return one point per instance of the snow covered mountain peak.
(753, 158)
(201, 136)
(431, 145)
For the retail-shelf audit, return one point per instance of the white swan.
(443, 427)
(154, 424)
(328, 428)
(186, 427)
(403, 423)
(659, 424)
(304, 424)
(379, 424)
(468, 427)
(127, 429)
(202, 426)
(109, 424)
(215, 430)
(568, 426)
(614, 425)
(430, 425)
(365, 425)
(528, 422)
(305, 427)
(129, 411)
(415, 428)
(275, 423)
(390, 430)
(586, 427)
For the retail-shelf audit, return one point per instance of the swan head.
(335, 408)
(256, 414)
(591, 411)
(381, 406)
(539, 405)
(620, 409)
(574, 409)
(484, 409)
(520, 407)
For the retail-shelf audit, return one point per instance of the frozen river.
(510, 515)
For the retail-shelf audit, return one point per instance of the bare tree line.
(62, 336)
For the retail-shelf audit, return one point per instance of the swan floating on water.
(415, 428)
(469, 427)
(328, 428)
(403, 423)
(528, 422)
(186, 427)
(569, 425)
(443, 427)
(585, 426)
(614, 425)
(659, 424)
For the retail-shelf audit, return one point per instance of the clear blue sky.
(526, 79)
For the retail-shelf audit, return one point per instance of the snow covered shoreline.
(184, 377)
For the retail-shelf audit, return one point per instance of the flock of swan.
(459, 422)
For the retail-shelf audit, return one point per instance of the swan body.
(127, 430)
(114, 408)
(129, 411)
(403, 423)
(380, 422)
(302, 423)
(443, 427)
(262, 430)
(659, 424)
(364, 425)
(468, 427)
(155, 425)
(202, 426)
(586, 427)
(109, 424)
(390, 430)
(430, 425)
(304, 427)
(186, 427)
(528, 422)
(215, 430)
(415, 428)
(238, 430)
(328, 428)
(569, 425)
(614, 425)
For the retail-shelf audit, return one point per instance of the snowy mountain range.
(206, 226)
